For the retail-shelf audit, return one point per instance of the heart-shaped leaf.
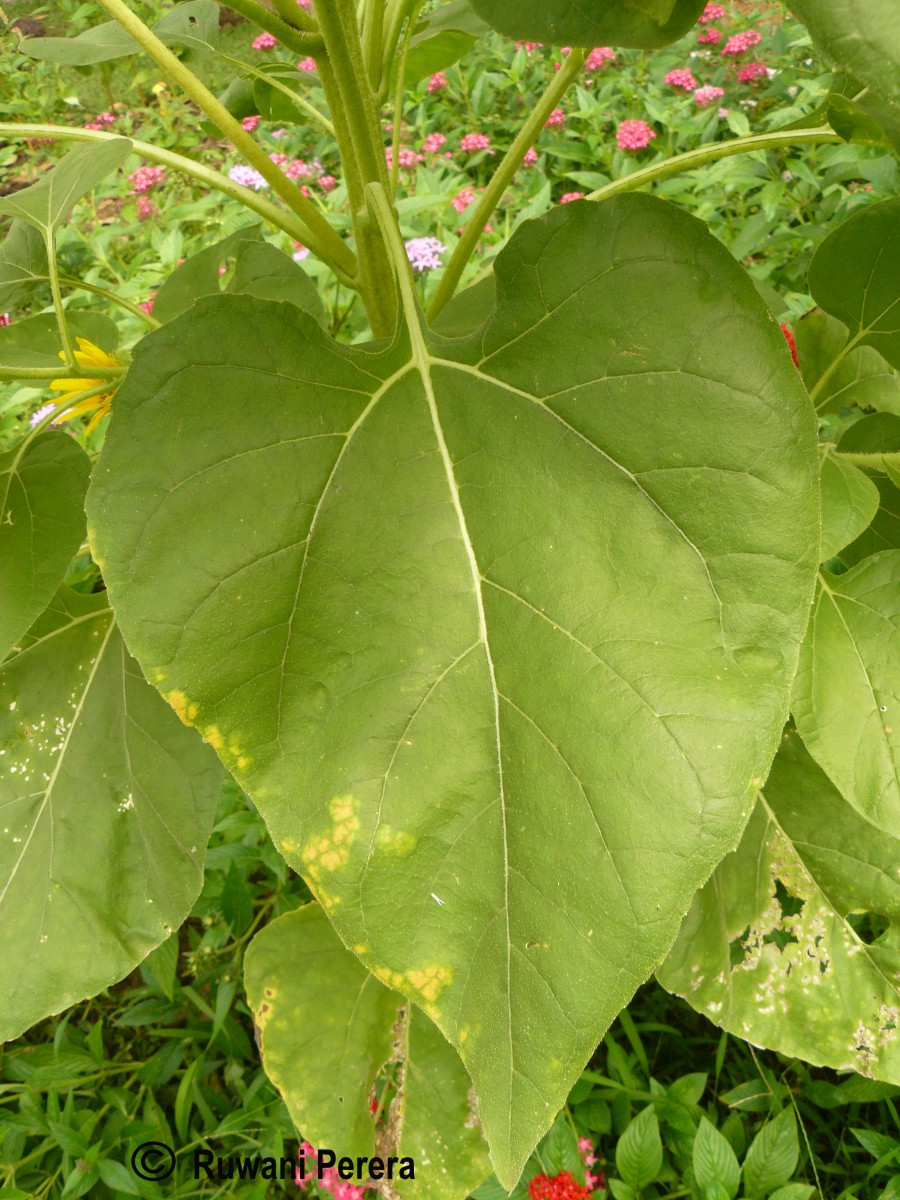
(45, 203)
(23, 265)
(640, 24)
(302, 981)
(107, 802)
(193, 25)
(861, 37)
(849, 502)
(854, 276)
(846, 700)
(776, 949)
(42, 488)
(497, 632)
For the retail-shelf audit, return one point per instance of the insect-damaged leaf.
(785, 944)
(496, 631)
(107, 807)
(327, 1028)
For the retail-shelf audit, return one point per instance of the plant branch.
(292, 14)
(321, 238)
(705, 154)
(373, 33)
(870, 461)
(398, 96)
(275, 82)
(112, 297)
(353, 109)
(501, 179)
(295, 36)
(56, 372)
(65, 334)
(288, 222)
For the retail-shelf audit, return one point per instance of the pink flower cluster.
(101, 120)
(568, 197)
(598, 56)
(530, 47)
(557, 117)
(475, 141)
(146, 208)
(634, 135)
(306, 64)
(530, 157)
(437, 82)
(740, 43)
(330, 1180)
(463, 199)
(711, 36)
(712, 12)
(681, 78)
(407, 159)
(704, 96)
(433, 143)
(5, 319)
(250, 123)
(751, 72)
(265, 41)
(145, 178)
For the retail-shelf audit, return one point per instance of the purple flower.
(248, 177)
(424, 253)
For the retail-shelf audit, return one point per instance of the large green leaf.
(42, 488)
(45, 203)
(770, 949)
(849, 502)
(640, 24)
(35, 341)
(854, 276)
(107, 806)
(327, 1028)
(846, 700)
(861, 376)
(194, 25)
(258, 269)
(23, 265)
(442, 38)
(861, 37)
(497, 632)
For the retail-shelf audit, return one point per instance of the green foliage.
(496, 615)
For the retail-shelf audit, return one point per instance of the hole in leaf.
(868, 927)
(736, 950)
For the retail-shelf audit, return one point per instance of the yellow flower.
(87, 355)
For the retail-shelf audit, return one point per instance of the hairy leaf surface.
(497, 632)
(107, 804)
(768, 950)
(846, 699)
(327, 1028)
(42, 488)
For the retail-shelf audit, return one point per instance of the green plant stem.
(824, 378)
(64, 369)
(502, 178)
(290, 35)
(292, 14)
(874, 461)
(705, 154)
(395, 14)
(65, 334)
(353, 110)
(398, 96)
(373, 33)
(113, 297)
(276, 83)
(344, 266)
(321, 239)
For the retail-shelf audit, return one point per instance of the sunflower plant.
(555, 639)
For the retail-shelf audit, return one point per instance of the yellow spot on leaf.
(185, 709)
(212, 734)
(395, 841)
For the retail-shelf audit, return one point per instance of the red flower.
(560, 1187)
(791, 343)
